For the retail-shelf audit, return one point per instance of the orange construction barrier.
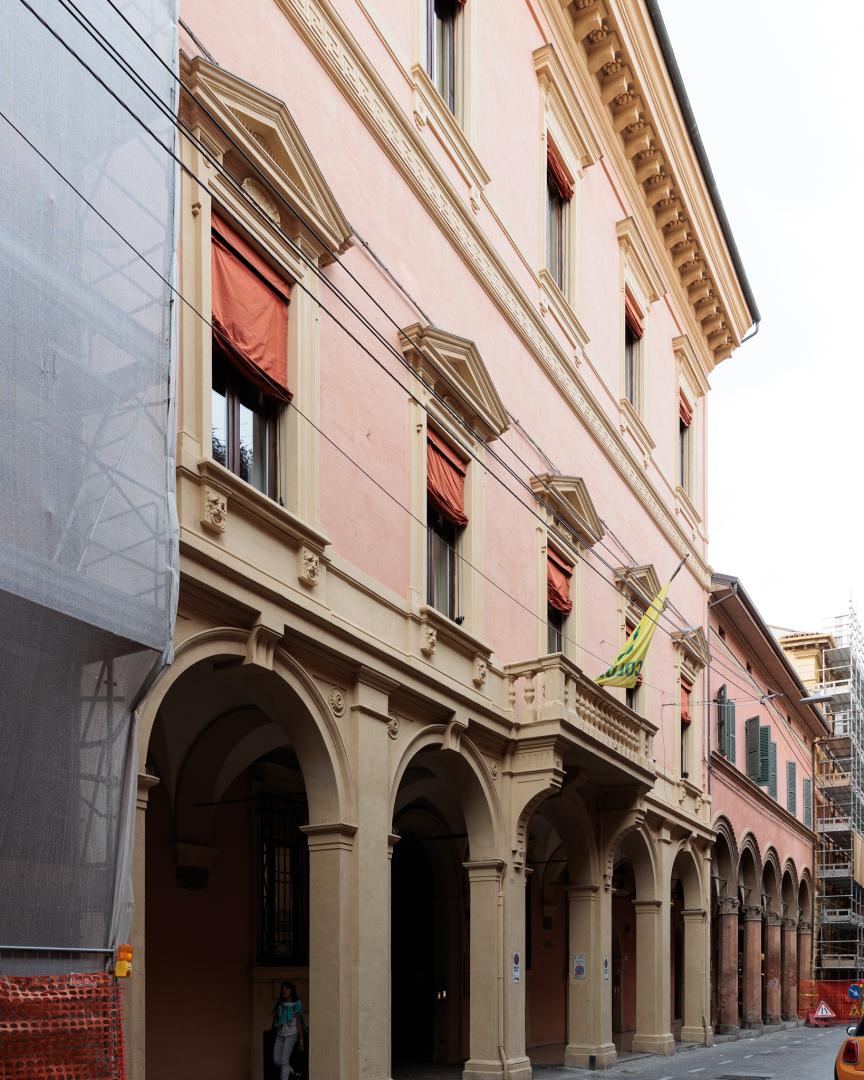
(845, 999)
(61, 1027)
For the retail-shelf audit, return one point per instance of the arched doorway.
(233, 891)
(689, 959)
(445, 931)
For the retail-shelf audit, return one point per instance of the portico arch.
(750, 931)
(771, 939)
(690, 945)
(249, 760)
(725, 1008)
(789, 942)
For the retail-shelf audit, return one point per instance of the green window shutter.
(764, 754)
(751, 737)
(772, 769)
(730, 731)
(807, 799)
(722, 744)
(791, 787)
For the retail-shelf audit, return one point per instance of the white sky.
(777, 99)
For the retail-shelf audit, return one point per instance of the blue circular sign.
(854, 991)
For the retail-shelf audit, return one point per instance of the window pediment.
(569, 508)
(641, 583)
(454, 367)
(694, 646)
(263, 129)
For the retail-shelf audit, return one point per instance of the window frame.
(437, 27)
(236, 387)
(555, 636)
(634, 337)
(267, 918)
(436, 526)
(557, 215)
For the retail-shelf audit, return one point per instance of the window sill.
(631, 421)
(429, 108)
(553, 299)
(445, 629)
(687, 506)
(246, 497)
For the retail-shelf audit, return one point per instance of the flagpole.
(678, 567)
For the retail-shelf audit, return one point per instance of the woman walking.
(288, 1021)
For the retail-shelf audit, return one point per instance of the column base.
(601, 1056)
(727, 1029)
(788, 1018)
(700, 1035)
(771, 1021)
(481, 1069)
(751, 1025)
(654, 1044)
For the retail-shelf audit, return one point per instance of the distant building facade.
(379, 765)
(763, 739)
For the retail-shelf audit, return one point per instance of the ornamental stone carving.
(337, 701)
(430, 641)
(310, 567)
(481, 671)
(393, 727)
(215, 513)
(260, 195)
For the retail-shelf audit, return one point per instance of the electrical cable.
(133, 74)
(142, 84)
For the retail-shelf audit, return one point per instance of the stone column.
(696, 1027)
(727, 966)
(653, 1007)
(752, 1018)
(333, 1050)
(486, 965)
(805, 962)
(134, 988)
(772, 968)
(789, 991)
(589, 991)
(513, 886)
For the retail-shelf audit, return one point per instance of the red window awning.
(633, 315)
(685, 410)
(445, 479)
(686, 691)
(558, 574)
(250, 311)
(558, 176)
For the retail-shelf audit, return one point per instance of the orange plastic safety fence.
(61, 1027)
(845, 999)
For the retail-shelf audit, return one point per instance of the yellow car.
(849, 1063)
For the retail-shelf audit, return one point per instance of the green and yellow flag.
(628, 663)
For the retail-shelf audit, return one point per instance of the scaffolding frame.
(839, 804)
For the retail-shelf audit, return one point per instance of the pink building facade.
(762, 764)
(454, 289)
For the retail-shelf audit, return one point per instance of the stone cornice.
(632, 83)
(324, 31)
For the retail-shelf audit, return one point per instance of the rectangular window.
(442, 43)
(282, 886)
(559, 192)
(686, 721)
(685, 444)
(764, 755)
(244, 418)
(807, 799)
(634, 330)
(442, 537)
(555, 628)
(791, 787)
(445, 519)
(725, 725)
(751, 731)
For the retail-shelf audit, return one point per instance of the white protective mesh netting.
(88, 538)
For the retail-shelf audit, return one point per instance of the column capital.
(727, 905)
(693, 915)
(789, 924)
(574, 892)
(805, 927)
(647, 905)
(752, 914)
(330, 836)
(484, 869)
(146, 781)
(772, 918)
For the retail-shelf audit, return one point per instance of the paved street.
(795, 1054)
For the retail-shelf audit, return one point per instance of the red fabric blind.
(445, 479)
(686, 690)
(560, 179)
(558, 574)
(685, 410)
(633, 315)
(250, 311)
